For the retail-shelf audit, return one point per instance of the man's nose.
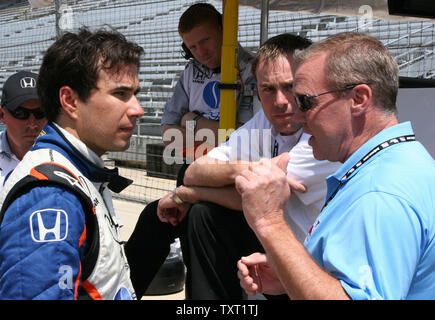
(32, 122)
(281, 98)
(201, 51)
(135, 109)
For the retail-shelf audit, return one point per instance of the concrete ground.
(129, 213)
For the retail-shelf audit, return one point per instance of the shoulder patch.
(48, 225)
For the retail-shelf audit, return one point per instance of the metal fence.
(26, 33)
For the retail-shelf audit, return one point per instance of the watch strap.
(177, 199)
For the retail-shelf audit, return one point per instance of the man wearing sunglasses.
(375, 236)
(23, 118)
(217, 234)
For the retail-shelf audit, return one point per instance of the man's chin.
(288, 130)
(119, 147)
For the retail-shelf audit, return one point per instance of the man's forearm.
(299, 274)
(209, 172)
(224, 196)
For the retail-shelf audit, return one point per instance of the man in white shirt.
(216, 233)
(20, 112)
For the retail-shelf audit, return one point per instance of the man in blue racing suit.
(59, 236)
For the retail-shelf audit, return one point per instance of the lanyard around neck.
(369, 155)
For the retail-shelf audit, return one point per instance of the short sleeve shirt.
(376, 235)
(197, 90)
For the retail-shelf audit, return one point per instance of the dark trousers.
(216, 238)
(149, 244)
(213, 238)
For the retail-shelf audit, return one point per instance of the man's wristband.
(177, 199)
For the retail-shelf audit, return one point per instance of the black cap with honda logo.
(19, 88)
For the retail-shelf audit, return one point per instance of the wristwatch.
(177, 199)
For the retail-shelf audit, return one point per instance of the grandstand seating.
(25, 34)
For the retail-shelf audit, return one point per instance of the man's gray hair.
(358, 58)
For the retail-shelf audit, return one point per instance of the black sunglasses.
(24, 114)
(303, 101)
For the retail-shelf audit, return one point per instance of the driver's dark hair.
(75, 60)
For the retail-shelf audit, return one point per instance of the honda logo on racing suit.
(49, 225)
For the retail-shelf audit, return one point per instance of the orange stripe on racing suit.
(77, 282)
(40, 176)
(91, 290)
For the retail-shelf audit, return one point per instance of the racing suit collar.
(52, 137)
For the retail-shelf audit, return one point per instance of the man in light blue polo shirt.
(375, 236)
(379, 226)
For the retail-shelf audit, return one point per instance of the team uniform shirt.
(377, 233)
(258, 139)
(43, 235)
(8, 160)
(197, 90)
